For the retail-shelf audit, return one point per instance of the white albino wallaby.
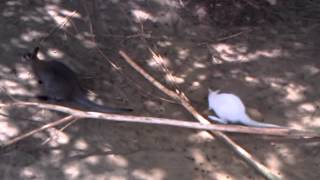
(230, 109)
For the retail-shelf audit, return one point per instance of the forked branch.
(78, 114)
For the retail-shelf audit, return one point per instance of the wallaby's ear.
(35, 52)
(214, 92)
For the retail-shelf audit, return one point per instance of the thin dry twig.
(232, 36)
(61, 129)
(4, 90)
(32, 132)
(185, 102)
(66, 20)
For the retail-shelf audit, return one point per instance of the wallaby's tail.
(86, 103)
(251, 122)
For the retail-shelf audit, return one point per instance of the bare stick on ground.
(77, 114)
(186, 104)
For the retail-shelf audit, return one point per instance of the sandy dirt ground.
(268, 55)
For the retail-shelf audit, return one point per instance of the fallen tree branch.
(289, 133)
(186, 104)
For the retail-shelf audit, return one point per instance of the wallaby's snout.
(31, 56)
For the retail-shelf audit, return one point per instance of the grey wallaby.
(60, 83)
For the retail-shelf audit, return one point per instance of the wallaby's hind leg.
(214, 118)
(48, 98)
(43, 97)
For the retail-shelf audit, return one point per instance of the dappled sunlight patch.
(117, 161)
(183, 53)
(57, 155)
(237, 73)
(224, 49)
(32, 173)
(9, 84)
(13, 3)
(222, 176)
(29, 36)
(174, 79)
(14, 88)
(55, 138)
(233, 53)
(17, 43)
(202, 162)
(200, 137)
(285, 153)
(310, 121)
(273, 53)
(296, 125)
(310, 70)
(199, 65)
(88, 43)
(93, 160)
(59, 15)
(154, 106)
(93, 97)
(168, 3)
(159, 64)
(79, 170)
(141, 15)
(4, 70)
(66, 12)
(117, 177)
(14, 84)
(72, 170)
(307, 107)
(86, 39)
(202, 77)
(37, 19)
(81, 144)
(22, 72)
(7, 130)
(252, 80)
(154, 174)
(164, 43)
(59, 137)
(198, 156)
(275, 82)
(274, 163)
(196, 84)
(55, 53)
(276, 85)
(294, 92)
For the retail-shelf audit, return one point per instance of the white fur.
(230, 109)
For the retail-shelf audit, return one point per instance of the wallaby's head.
(31, 56)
